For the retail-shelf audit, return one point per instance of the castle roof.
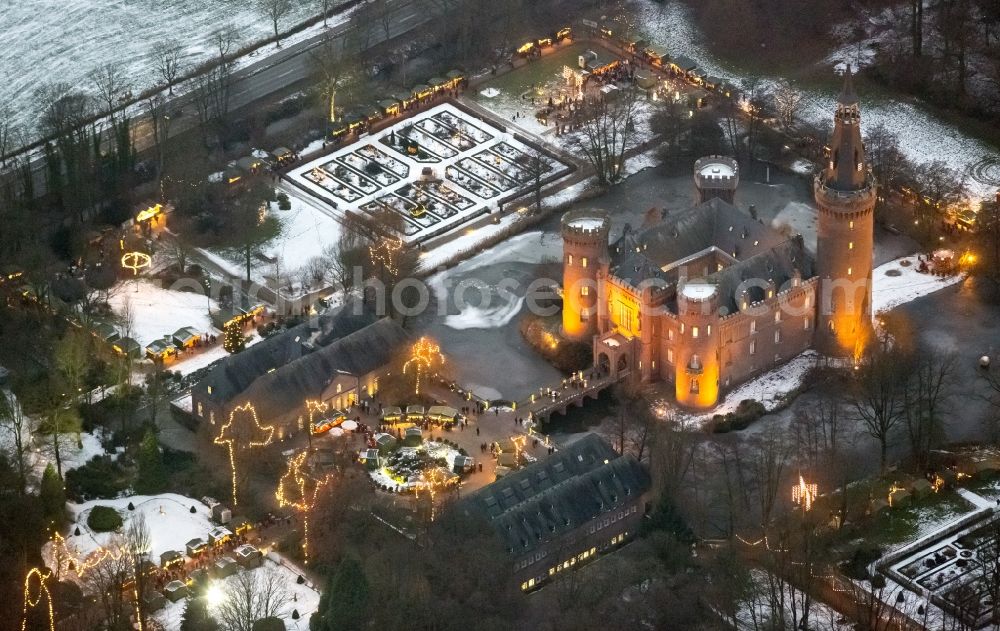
(847, 94)
(757, 250)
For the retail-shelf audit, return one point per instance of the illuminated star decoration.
(423, 356)
(43, 591)
(234, 437)
(385, 252)
(299, 490)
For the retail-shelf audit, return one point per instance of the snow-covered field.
(306, 229)
(889, 292)
(475, 164)
(157, 311)
(921, 136)
(48, 41)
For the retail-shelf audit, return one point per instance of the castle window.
(777, 337)
(777, 317)
(670, 334)
(850, 224)
(770, 293)
(211, 417)
(850, 245)
(569, 259)
(682, 328)
(210, 389)
(583, 261)
(694, 331)
(830, 326)
(753, 326)
(808, 301)
(201, 412)
(805, 324)
(585, 291)
(756, 242)
(340, 388)
(709, 331)
(694, 386)
(850, 270)
(753, 347)
(670, 355)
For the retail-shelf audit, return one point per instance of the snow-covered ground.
(307, 228)
(433, 449)
(168, 516)
(921, 136)
(48, 41)
(757, 612)
(889, 292)
(476, 163)
(302, 598)
(157, 311)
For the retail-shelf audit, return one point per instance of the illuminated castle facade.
(710, 297)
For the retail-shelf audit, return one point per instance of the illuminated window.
(583, 261)
(709, 331)
(694, 390)
(808, 301)
(850, 245)
(694, 331)
(670, 355)
(670, 334)
(682, 328)
(340, 388)
(850, 224)
(753, 347)
(211, 417)
(770, 293)
(830, 326)
(585, 291)
(850, 270)
(777, 337)
(201, 412)
(805, 324)
(777, 317)
(753, 326)
(210, 389)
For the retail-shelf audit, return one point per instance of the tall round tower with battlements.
(585, 251)
(845, 196)
(696, 367)
(716, 176)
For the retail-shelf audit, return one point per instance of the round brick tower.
(585, 250)
(716, 176)
(845, 196)
(696, 375)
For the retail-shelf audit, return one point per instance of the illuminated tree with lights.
(314, 407)
(425, 355)
(31, 601)
(242, 432)
(232, 336)
(299, 489)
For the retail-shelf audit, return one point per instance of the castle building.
(710, 297)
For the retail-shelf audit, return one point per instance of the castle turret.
(845, 196)
(716, 176)
(585, 253)
(696, 370)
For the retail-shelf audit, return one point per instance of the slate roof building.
(336, 357)
(551, 515)
(710, 297)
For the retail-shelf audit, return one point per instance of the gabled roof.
(548, 498)
(361, 352)
(231, 378)
(777, 265)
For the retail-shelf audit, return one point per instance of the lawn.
(901, 525)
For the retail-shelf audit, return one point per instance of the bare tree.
(63, 109)
(137, 545)
(877, 396)
(252, 596)
(19, 426)
(930, 384)
(11, 136)
(324, 6)
(112, 85)
(886, 159)
(607, 132)
(107, 581)
(274, 10)
(535, 165)
(787, 100)
(332, 71)
(167, 56)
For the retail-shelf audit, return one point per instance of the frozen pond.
(435, 171)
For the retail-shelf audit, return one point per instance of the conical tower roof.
(847, 94)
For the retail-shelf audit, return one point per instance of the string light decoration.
(135, 261)
(314, 407)
(43, 591)
(895, 488)
(430, 480)
(232, 336)
(66, 557)
(424, 355)
(234, 436)
(804, 494)
(385, 253)
(299, 490)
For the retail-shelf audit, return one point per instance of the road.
(261, 79)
